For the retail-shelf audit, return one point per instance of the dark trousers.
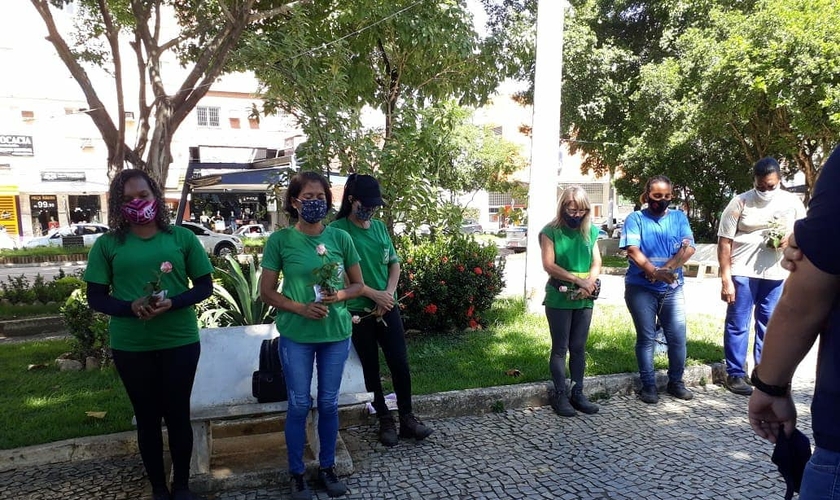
(368, 336)
(159, 384)
(569, 330)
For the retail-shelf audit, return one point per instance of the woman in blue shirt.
(658, 241)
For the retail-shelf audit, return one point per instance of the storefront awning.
(246, 180)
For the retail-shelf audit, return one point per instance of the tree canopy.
(205, 33)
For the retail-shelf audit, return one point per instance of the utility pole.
(545, 142)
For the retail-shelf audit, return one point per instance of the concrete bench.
(222, 388)
(703, 262)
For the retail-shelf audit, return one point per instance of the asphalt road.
(48, 272)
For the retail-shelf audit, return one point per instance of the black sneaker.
(411, 426)
(738, 385)
(388, 431)
(561, 405)
(299, 489)
(333, 485)
(678, 390)
(582, 404)
(649, 395)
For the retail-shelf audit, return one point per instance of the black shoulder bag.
(268, 384)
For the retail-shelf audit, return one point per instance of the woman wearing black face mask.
(382, 326)
(314, 324)
(571, 258)
(658, 242)
(154, 339)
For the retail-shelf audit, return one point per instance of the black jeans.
(368, 336)
(569, 330)
(159, 384)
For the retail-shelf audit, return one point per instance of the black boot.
(387, 430)
(331, 482)
(582, 404)
(410, 427)
(561, 405)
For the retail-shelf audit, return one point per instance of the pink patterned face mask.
(140, 211)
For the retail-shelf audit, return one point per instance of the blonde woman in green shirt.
(314, 326)
(377, 320)
(571, 258)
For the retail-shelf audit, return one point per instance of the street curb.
(26, 327)
(431, 406)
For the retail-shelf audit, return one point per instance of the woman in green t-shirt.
(376, 315)
(312, 319)
(138, 274)
(571, 258)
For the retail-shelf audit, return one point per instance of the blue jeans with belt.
(645, 306)
(298, 359)
(749, 292)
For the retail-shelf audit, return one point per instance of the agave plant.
(238, 296)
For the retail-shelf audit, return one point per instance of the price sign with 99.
(43, 202)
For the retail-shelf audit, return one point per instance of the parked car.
(516, 238)
(252, 231)
(215, 243)
(7, 242)
(602, 235)
(470, 226)
(89, 231)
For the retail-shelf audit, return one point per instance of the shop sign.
(63, 176)
(43, 202)
(16, 145)
(249, 199)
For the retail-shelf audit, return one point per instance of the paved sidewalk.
(674, 450)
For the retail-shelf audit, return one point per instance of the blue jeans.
(297, 367)
(749, 292)
(645, 306)
(821, 480)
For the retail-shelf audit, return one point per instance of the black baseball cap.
(366, 189)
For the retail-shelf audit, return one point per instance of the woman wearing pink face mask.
(138, 274)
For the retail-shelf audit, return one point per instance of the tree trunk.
(160, 152)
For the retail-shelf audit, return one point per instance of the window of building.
(497, 130)
(27, 115)
(499, 199)
(208, 116)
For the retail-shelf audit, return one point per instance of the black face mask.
(658, 207)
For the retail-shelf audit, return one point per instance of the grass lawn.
(516, 340)
(47, 405)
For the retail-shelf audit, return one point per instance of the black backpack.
(268, 384)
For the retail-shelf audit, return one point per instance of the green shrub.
(17, 289)
(60, 289)
(236, 296)
(88, 328)
(448, 283)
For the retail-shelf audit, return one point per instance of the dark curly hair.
(296, 185)
(117, 222)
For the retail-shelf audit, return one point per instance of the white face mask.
(767, 195)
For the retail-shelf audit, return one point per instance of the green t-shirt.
(294, 254)
(377, 253)
(574, 254)
(128, 266)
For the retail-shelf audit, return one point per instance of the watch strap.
(771, 390)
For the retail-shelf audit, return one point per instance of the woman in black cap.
(376, 313)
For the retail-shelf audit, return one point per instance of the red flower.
(474, 324)
(444, 260)
(470, 311)
(461, 268)
(478, 270)
(430, 309)
(410, 295)
(489, 264)
(442, 282)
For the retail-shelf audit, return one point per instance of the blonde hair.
(577, 195)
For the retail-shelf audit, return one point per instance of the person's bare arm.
(724, 255)
(652, 272)
(797, 320)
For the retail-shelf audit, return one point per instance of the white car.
(88, 231)
(6, 241)
(252, 231)
(215, 243)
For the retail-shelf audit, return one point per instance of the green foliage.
(44, 251)
(88, 328)
(450, 283)
(236, 296)
(19, 290)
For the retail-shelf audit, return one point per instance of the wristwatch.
(777, 391)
